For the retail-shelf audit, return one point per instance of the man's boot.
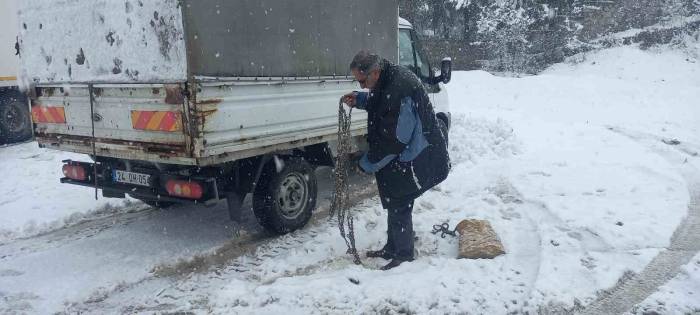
(394, 263)
(382, 253)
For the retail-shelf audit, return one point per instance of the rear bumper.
(128, 150)
(156, 192)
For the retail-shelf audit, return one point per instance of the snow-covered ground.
(33, 201)
(547, 159)
(680, 296)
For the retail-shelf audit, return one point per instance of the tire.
(284, 201)
(15, 118)
(445, 130)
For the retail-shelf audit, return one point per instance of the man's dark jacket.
(407, 147)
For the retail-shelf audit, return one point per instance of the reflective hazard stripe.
(48, 115)
(156, 121)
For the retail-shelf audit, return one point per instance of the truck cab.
(412, 56)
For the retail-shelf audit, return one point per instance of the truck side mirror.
(446, 70)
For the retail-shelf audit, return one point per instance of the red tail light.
(74, 172)
(184, 189)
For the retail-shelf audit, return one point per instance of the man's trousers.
(400, 231)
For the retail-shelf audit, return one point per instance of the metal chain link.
(341, 197)
(444, 229)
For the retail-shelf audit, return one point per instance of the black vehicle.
(15, 117)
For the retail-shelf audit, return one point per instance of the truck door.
(411, 55)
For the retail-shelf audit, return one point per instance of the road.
(49, 272)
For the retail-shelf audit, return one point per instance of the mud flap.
(235, 203)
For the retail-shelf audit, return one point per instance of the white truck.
(196, 101)
(15, 120)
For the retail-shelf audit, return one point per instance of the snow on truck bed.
(102, 41)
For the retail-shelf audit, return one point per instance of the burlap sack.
(478, 240)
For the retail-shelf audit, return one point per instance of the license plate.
(131, 178)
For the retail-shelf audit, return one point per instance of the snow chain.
(341, 197)
(444, 229)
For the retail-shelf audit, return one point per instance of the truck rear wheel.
(15, 119)
(284, 199)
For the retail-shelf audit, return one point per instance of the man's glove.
(355, 161)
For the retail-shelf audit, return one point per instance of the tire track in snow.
(685, 242)
(262, 245)
(90, 226)
(537, 212)
(243, 258)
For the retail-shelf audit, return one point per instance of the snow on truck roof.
(403, 23)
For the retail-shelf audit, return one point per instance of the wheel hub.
(293, 195)
(14, 118)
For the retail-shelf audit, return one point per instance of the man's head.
(366, 68)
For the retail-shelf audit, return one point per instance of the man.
(407, 151)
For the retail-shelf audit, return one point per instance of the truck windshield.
(410, 54)
(406, 50)
(421, 61)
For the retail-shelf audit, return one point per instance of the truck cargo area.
(226, 121)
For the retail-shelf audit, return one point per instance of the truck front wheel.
(442, 125)
(285, 196)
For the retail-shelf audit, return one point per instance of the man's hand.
(350, 99)
(355, 161)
